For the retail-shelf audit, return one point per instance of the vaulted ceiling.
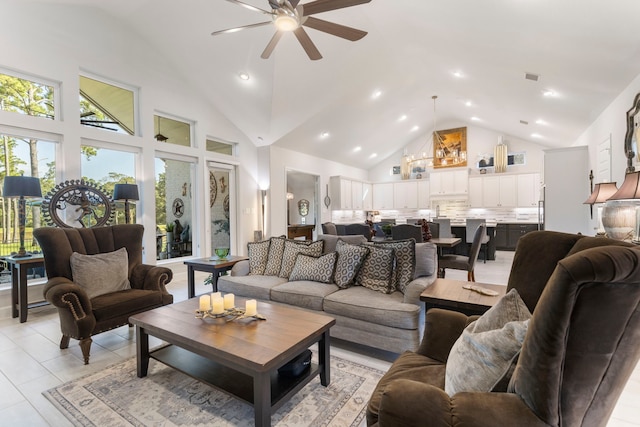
(585, 51)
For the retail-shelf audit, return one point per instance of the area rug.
(115, 396)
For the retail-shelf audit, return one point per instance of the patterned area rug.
(117, 397)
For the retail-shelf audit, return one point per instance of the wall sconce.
(620, 213)
(22, 187)
(601, 193)
(126, 192)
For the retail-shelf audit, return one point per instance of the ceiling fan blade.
(250, 7)
(272, 44)
(320, 6)
(236, 29)
(307, 44)
(334, 29)
(294, 3)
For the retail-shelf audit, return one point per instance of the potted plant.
(386, 229)
(169, 230)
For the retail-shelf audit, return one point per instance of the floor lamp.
(126, 192)
(22, 187)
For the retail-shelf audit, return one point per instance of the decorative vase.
(619, 219)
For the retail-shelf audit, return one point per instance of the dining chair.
(407, 231)
(461, 262)
(471, 226)
(444, 225)
(434, 228)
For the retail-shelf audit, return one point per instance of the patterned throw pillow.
(258, 255)
(294, 247)
(276, 249)
(376, 272)
(350, 259)
(317, 269)
(405, 262)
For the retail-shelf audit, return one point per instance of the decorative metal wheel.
(78, 203)
(178, 207)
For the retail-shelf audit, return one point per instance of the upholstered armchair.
(581, 346)
(109, 286)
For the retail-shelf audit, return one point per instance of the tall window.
(27, 96)
(109, 167)
(174, 207)
(106, 106)
(29, 156)
(172, 131)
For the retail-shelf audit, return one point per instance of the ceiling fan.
(290, 16)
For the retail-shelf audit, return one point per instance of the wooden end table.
(19, 284)
(209, 265)
(450, 294)
(240, 357)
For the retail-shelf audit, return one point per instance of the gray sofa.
(392, 322)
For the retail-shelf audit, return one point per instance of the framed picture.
(450, 148)
(519, 158)
(396, 170)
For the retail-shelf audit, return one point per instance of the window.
(109, 167)
(171, 131)
(27, 96)
(106, 106)
(219, 147)
(29, 156)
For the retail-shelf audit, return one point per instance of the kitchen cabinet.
(356, 195)
(528, 190)
(499, 191)
(475, 192)
(367, 196)
(423, 194)
(405, 195)
(383, 196)
(508, 234)
(449, 183)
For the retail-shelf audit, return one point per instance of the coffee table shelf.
(231, 381)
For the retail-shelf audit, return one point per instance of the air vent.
(524, 122)
(531, 76)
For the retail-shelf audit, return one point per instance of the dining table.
(445, 242)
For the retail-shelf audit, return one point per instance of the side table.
(450, 295)
(214, 266)
(19, 297)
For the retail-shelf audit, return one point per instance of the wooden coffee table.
(240, 357)
(450, 294)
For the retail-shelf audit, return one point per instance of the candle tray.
(234, 313)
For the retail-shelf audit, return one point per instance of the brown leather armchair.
(80, 316)
(582, 344)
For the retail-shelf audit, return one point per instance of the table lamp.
(620, 214)
(22, 187)
(601, 193)
(126, 192)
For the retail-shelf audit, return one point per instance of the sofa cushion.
(294, 247)
(316, 269)
(102, 273)
(485, 351)
(276, 249)
(258, 256)
(361, 303)
(350, 259)
(426, 260)
(376, 272)
(404, 262)
(304, 294)
(258, 287)
(331, 241)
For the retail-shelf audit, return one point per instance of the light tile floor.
(31, 362)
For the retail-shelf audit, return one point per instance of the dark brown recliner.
(582, 344)
(80, 316)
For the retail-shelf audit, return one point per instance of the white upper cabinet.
(528, 189)
(475, 192)
(499, 191)
(341, 195)
(367, 196)
(356, 195)
(383, 196)
(423, 194)
(405, 195)
(455, 182)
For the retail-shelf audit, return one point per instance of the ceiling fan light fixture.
(285, 22)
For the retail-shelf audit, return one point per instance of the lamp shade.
(601, 193)
(125, 192)
(630, 188)
(25, 186)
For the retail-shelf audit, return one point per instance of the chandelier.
(437, 153)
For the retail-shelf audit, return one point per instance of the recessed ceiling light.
(376, 94)
(373, 155)
(458, 74)
(536, 135)
(475, 119)
(355, 150)
(468, 104)
(549, 93)
(415, 128)
(402, 118)
(324, 135)
(541, 122)
(244, 76)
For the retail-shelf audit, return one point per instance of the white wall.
(58, 42)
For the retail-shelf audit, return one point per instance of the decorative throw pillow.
(376, 272)
(258, 255)
(350, 259)
(276, 249)
(317, 269)
(404, 263)
(426, 259)
(101, 273)
(294, 247)
(485, 351)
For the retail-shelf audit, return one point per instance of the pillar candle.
(205, 303)
(251, 307)
(217, 305)
(216, 295)
(229, 301)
